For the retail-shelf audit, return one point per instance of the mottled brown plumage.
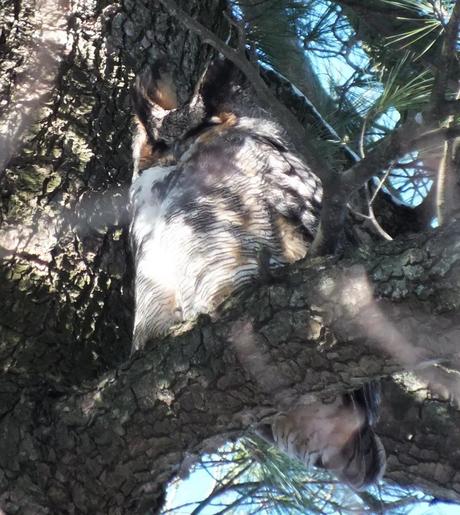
(204, 210)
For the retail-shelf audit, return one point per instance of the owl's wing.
(337, 436)
(292, 190)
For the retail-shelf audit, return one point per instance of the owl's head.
(164, 127)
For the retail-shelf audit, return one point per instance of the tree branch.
(407, 138)
(412, 419)
(94, 448)
(446, 180)
(447, 59)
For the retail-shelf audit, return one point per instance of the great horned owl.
(205, 208)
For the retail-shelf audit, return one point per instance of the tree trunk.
(82, 429)
(65, 279)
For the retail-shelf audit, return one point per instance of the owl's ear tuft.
(219, 86)
(153, 96)
(155, 84)
(364, 458)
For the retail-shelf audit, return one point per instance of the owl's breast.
(205, 227)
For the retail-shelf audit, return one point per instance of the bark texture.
(420, 432)
(65, 276)
(110, 445)
(84, 431)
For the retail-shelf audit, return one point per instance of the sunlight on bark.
(36, 78)
(358, 299)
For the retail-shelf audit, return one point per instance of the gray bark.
(110, 445)
(84, 430)
(420, 432)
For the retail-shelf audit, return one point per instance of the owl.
(212, 210)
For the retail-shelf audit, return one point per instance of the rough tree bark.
(82, 429)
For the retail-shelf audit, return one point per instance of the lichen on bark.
(83, 429)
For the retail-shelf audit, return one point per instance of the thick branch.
(407, 138)
(446, 201)
(447, 59)
(111, 445)
(420, 433)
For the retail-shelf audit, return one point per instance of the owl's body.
(212, 212)
(235, 201)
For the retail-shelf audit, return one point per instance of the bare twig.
(380, 184)
(445, 177)
(241, 34)
(377, 505)
(373, 219)
(407, 138)
(444, 171)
